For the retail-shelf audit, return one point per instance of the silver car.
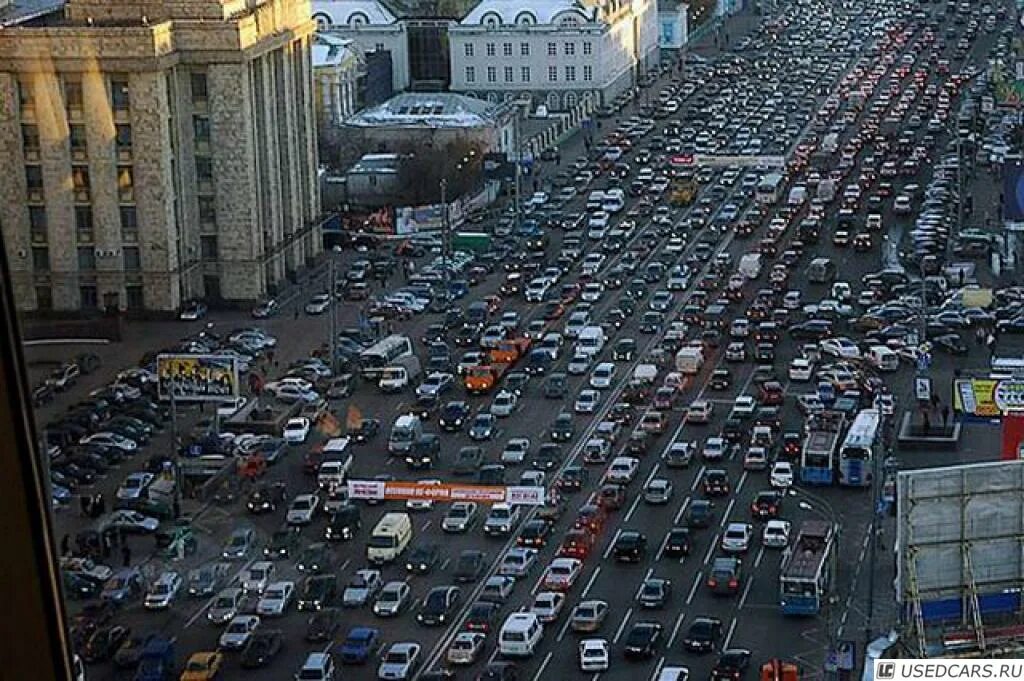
(518, 562)
(225, 606)
(399, 662)
(363, 587)
(393, 598)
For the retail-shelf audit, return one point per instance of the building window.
(552, 73)
(570, 73)
(80, 178)
(89, 298)
(524, 49)
(124, 137)
(77, 138)
(470, 74)
(507, 49)
(83, 223)
(86, 259)
(41, 259)
(379, 47)
(588, 72)
(120, 97)
(129, 224)
(524, 74)
(74, 99)
(588, 48)
(207, 209)
(30, 137)
(201, 129)
(208, 246)
(44, 298)
(199, 87)
(570, 49)
(492, 74)
(125, 182)
(204, 169)
(490, 50)
(469, 49)
(132, 259)
(508, 74)
(25, 100)
(134, 299)
(34, 178)
(37, 223)
(552, 49)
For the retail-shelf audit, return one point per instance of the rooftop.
(21, 11)
(513, 11)
(330, 50)
(427, 109)
(353, 13)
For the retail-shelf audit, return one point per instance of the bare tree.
(423, 168)
(340, 146)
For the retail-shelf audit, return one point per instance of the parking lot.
(666, 273)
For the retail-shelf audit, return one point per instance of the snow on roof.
(423, 109)
(344, 13)
(517, 11)
(329, 50)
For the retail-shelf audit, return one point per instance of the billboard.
(988, 397)
(197, 378)
(485, 494)
(1013, 193)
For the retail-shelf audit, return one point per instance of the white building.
(371, 27)
(559, 52)
(336, 68)
(673, 24)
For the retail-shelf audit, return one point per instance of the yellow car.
(202, 667)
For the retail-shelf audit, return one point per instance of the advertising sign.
(197, 378)
(1013, 193)
(484, 494)
(988, 397)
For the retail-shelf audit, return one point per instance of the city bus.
(383, 354)
(770, 188)
(808, 569)
(822, 433)
(858, 449)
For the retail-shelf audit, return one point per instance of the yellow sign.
(197, 378)
(988, 397)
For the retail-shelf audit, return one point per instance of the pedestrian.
(558, 159)
(65, 545)
(945, 416)
(979, 336)
(126, 556)
(960, 275)
(935, 401)
(108, 544)
(990, 341)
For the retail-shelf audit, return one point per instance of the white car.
(886, 404)
(132, 521)
(744, 406)
(296, 430)
(586, 401)
(518, 562)
(736, 538)
(504, 404)
(604, 374)
(238, 632)
(466, 647)
(318, 304)
(302, 508)
(231, 406)
(810, 403)
(162, 591)
(257, 577)
(714, 449)
(435, 384)
(391, 599)
(362, 588)
(516, 450)
(658, 491)
(776, 534)
(422, 504)
(579, 363)
(673, 674)
(593, 291)
(276, 599)
(108, 439)
(547, 605)
(622, 470)
(843, 348)
(593, 655)
(561, 574)
(801, 369)
(399, 662)
(902, 205)
(781, 476)
(134, 485)
(459, 517)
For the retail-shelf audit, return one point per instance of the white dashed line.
(728, 637)
(675, 630)
(622, 626)
(693, 589)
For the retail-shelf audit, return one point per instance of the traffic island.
(918, 434)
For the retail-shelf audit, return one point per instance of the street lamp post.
(445, 241)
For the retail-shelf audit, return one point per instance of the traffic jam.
(640, 441)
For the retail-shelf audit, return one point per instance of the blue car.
(361, 645)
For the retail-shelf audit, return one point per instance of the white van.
(404, 433)
(883, 358)
(520, 635)
(336, 464)
(390, 538)
(590, 340)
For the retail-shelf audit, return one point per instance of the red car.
(591, 517)
(772, 393)
(577, 544)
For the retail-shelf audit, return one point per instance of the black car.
(102, 645)
(265, 498)
(733, 430)
(499, 671)
(454, 416)
(700, 513)
(343, 523)
(643, 640)
(721, 379)
(655, 592)
(315, 559)
(630, 547)
(677, 543)
(732, 664)
(624, 350)
(425, 407)
(482, 616)
(563, 429)
(365, 431)
(439, 605)
(284, 543)
(469, 566)
(424, 452)
(262, 648)
(715, 483)
(556, 386)
(422, 558)
(815, 329)
(573, 479)
(317, 592)
(703, 635)
(534, 534)
(767, 505)
(323, 625)
(468, 461)
(548, 456)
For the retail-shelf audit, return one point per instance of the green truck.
(476, 242)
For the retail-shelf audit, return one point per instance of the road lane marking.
(728, 637)
(743, 479)
(682, 510)
(611, 544)
(661, 548)
(622, 626)
(697, 478)
(654, 472)
(344, 565)
(693, 589)
(234, 579)
(543, 666)
(711, 549)
(590, 582)
(728, 510)
(427, 525)
(675, 630)
(632, 508)
(757, 560)
(746, 592)
(564, 629)
(444, 565)
(657, 668)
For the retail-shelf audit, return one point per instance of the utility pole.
(445, 240)
(517, 153)
(332, 343)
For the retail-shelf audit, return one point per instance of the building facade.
(673, 25)
(336, 72)
(157, 152)
(372, 28)
(558, 53)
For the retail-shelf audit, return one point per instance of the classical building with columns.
(336, 72)
(156, 151)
